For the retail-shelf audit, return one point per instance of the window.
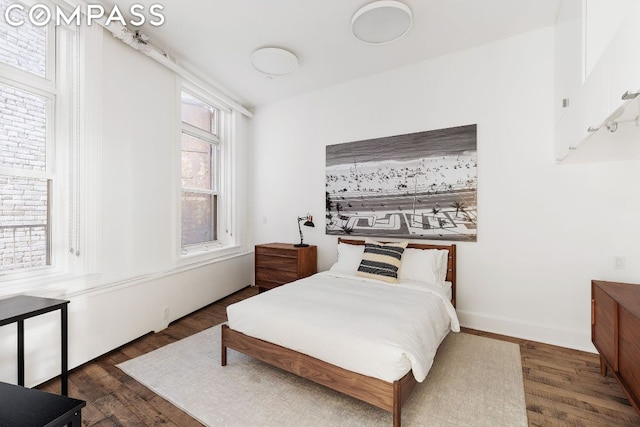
(26, 112)
(33, 88)
(202, 201)
(25, 47)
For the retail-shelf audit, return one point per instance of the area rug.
(475, 381)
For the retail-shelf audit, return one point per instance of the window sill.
(52, 285)
(207, 254)
(63, 285)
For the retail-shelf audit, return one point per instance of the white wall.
(138, 275)
(544, 230)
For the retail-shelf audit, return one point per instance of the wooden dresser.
(615, 331)
(280, 263)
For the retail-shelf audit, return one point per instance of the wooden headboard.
(451, 264)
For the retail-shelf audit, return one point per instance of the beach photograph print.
(417, 186)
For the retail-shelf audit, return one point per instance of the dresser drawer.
(277, 262)
(273, 275)
(603, 329)
(629, 353)
(276, 249)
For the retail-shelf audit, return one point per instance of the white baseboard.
(564, 337)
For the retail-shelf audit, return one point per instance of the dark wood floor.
(562, 387)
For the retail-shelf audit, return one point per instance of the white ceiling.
(215, 38)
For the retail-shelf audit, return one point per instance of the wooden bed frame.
(389, 396)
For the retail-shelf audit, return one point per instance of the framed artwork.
(417, 186)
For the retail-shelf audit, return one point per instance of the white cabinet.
(568, 74)
(568, 54)
(602, 19)
(595, 95)
(594, 89)
(623, 57)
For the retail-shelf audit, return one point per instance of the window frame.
(61, 86)
(51, 70)
(225, 243)
(48, 174)
(47, 88)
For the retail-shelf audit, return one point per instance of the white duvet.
(374, 328)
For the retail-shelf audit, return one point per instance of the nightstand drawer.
(272, 275)
(277, 262)
(277, 249)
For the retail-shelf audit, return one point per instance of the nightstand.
(280, 263)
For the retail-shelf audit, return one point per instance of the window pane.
(25, 46)
(199, 114)
(23, 223)
(23, 129)
(197, 163)
(198, 218)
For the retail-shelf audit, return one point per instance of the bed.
(278, 327)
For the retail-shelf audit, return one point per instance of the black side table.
(25, 407)
(16, 309)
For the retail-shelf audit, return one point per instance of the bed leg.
(223, 348)
(397, 404)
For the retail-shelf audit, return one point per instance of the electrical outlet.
(165, 314)
(619, 263)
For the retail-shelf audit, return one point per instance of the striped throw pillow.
(381, 261)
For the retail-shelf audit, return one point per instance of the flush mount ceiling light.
(274, 61)
(381, 22)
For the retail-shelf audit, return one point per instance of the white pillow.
(349, 257)
(444, 265)
(424, 265)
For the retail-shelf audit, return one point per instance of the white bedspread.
(376, 329)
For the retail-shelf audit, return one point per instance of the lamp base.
(300, 245)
